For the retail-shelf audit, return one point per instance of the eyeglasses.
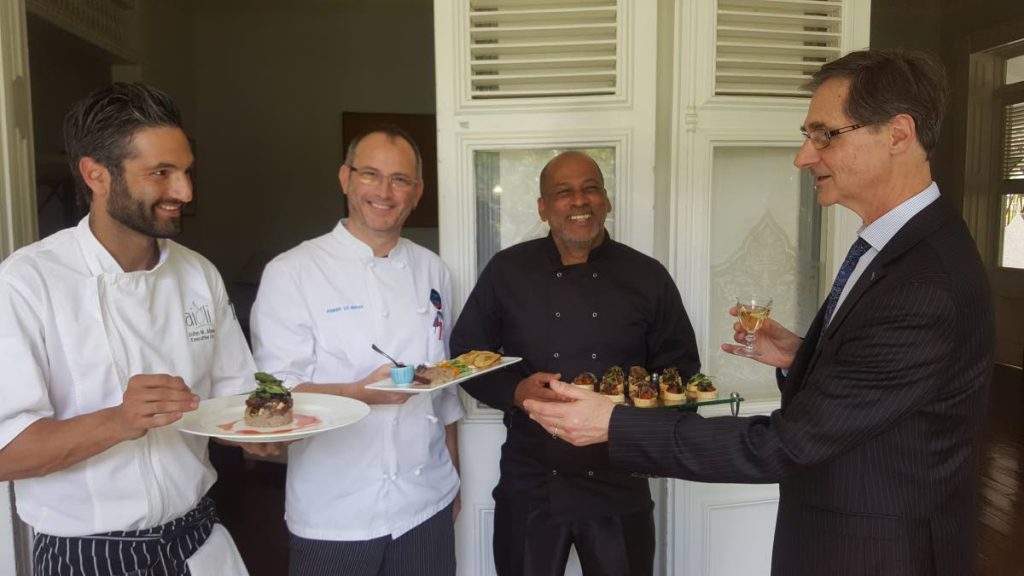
(821, 137)
(372, 177)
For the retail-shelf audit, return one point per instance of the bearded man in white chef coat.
(380, 496)
(108, 332)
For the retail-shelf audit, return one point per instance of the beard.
(578, 240)
(133, 213)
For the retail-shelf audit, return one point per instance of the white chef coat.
(73, 328)
(319, 308)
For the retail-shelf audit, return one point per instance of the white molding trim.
(692, 503)
(484, 524)
(18, 221)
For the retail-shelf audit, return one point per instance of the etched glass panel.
(507, 183)
(1012, 232)
(765, 239)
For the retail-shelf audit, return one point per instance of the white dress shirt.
(878, 233)
(74, 328)
(320, 306)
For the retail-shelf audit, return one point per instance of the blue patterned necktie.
(856, 251)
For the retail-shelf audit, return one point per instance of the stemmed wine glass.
(753, 310)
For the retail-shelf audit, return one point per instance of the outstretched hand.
(581, 419)
(776, 344)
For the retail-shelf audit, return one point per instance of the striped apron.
(158, 551)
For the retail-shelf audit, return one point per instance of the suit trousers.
(527, 542)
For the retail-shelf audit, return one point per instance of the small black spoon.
(384, 354)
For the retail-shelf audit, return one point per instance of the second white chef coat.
(320, 306)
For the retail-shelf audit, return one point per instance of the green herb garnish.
(702, 382)
(267, 386)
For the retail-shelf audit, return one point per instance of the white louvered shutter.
(771, 47)
(1013, 142)
(542, 48)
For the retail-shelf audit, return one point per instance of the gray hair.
(887, 82)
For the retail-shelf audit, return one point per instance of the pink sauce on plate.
(300, 420)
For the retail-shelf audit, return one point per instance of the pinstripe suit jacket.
(875, 444)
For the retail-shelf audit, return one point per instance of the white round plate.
(314, 413)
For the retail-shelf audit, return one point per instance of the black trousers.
(427, 549)
(528, 543)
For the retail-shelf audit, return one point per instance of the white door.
(692, 108)
(518, 81)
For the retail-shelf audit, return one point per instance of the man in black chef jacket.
(575, 301)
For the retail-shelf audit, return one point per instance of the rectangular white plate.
(416, 388)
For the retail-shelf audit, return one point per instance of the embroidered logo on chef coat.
(435, 300)
(199, 322)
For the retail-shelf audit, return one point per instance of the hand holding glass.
(752, 312)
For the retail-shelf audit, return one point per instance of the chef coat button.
(556, 354)
(385, 313)
(558, 314)
(421, 310)
(590, 473)
(394, 476)
(595, 274)
(594, 315)
(373, 265)
(418, 471)
(401, 265)
(558, 274)
(554, 472)
(593, 356)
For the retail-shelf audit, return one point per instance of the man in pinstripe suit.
(883, 400)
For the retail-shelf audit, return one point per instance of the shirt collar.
(99, 260)
(879, 232)
(555, 257)
(362, 250)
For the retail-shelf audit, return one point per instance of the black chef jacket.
(620, 307)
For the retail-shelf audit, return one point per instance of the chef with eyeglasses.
(379, 496)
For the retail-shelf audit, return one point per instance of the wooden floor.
(1001, 542)
(250, 495)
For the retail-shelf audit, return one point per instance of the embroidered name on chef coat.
(345, 308)
(199, 324)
